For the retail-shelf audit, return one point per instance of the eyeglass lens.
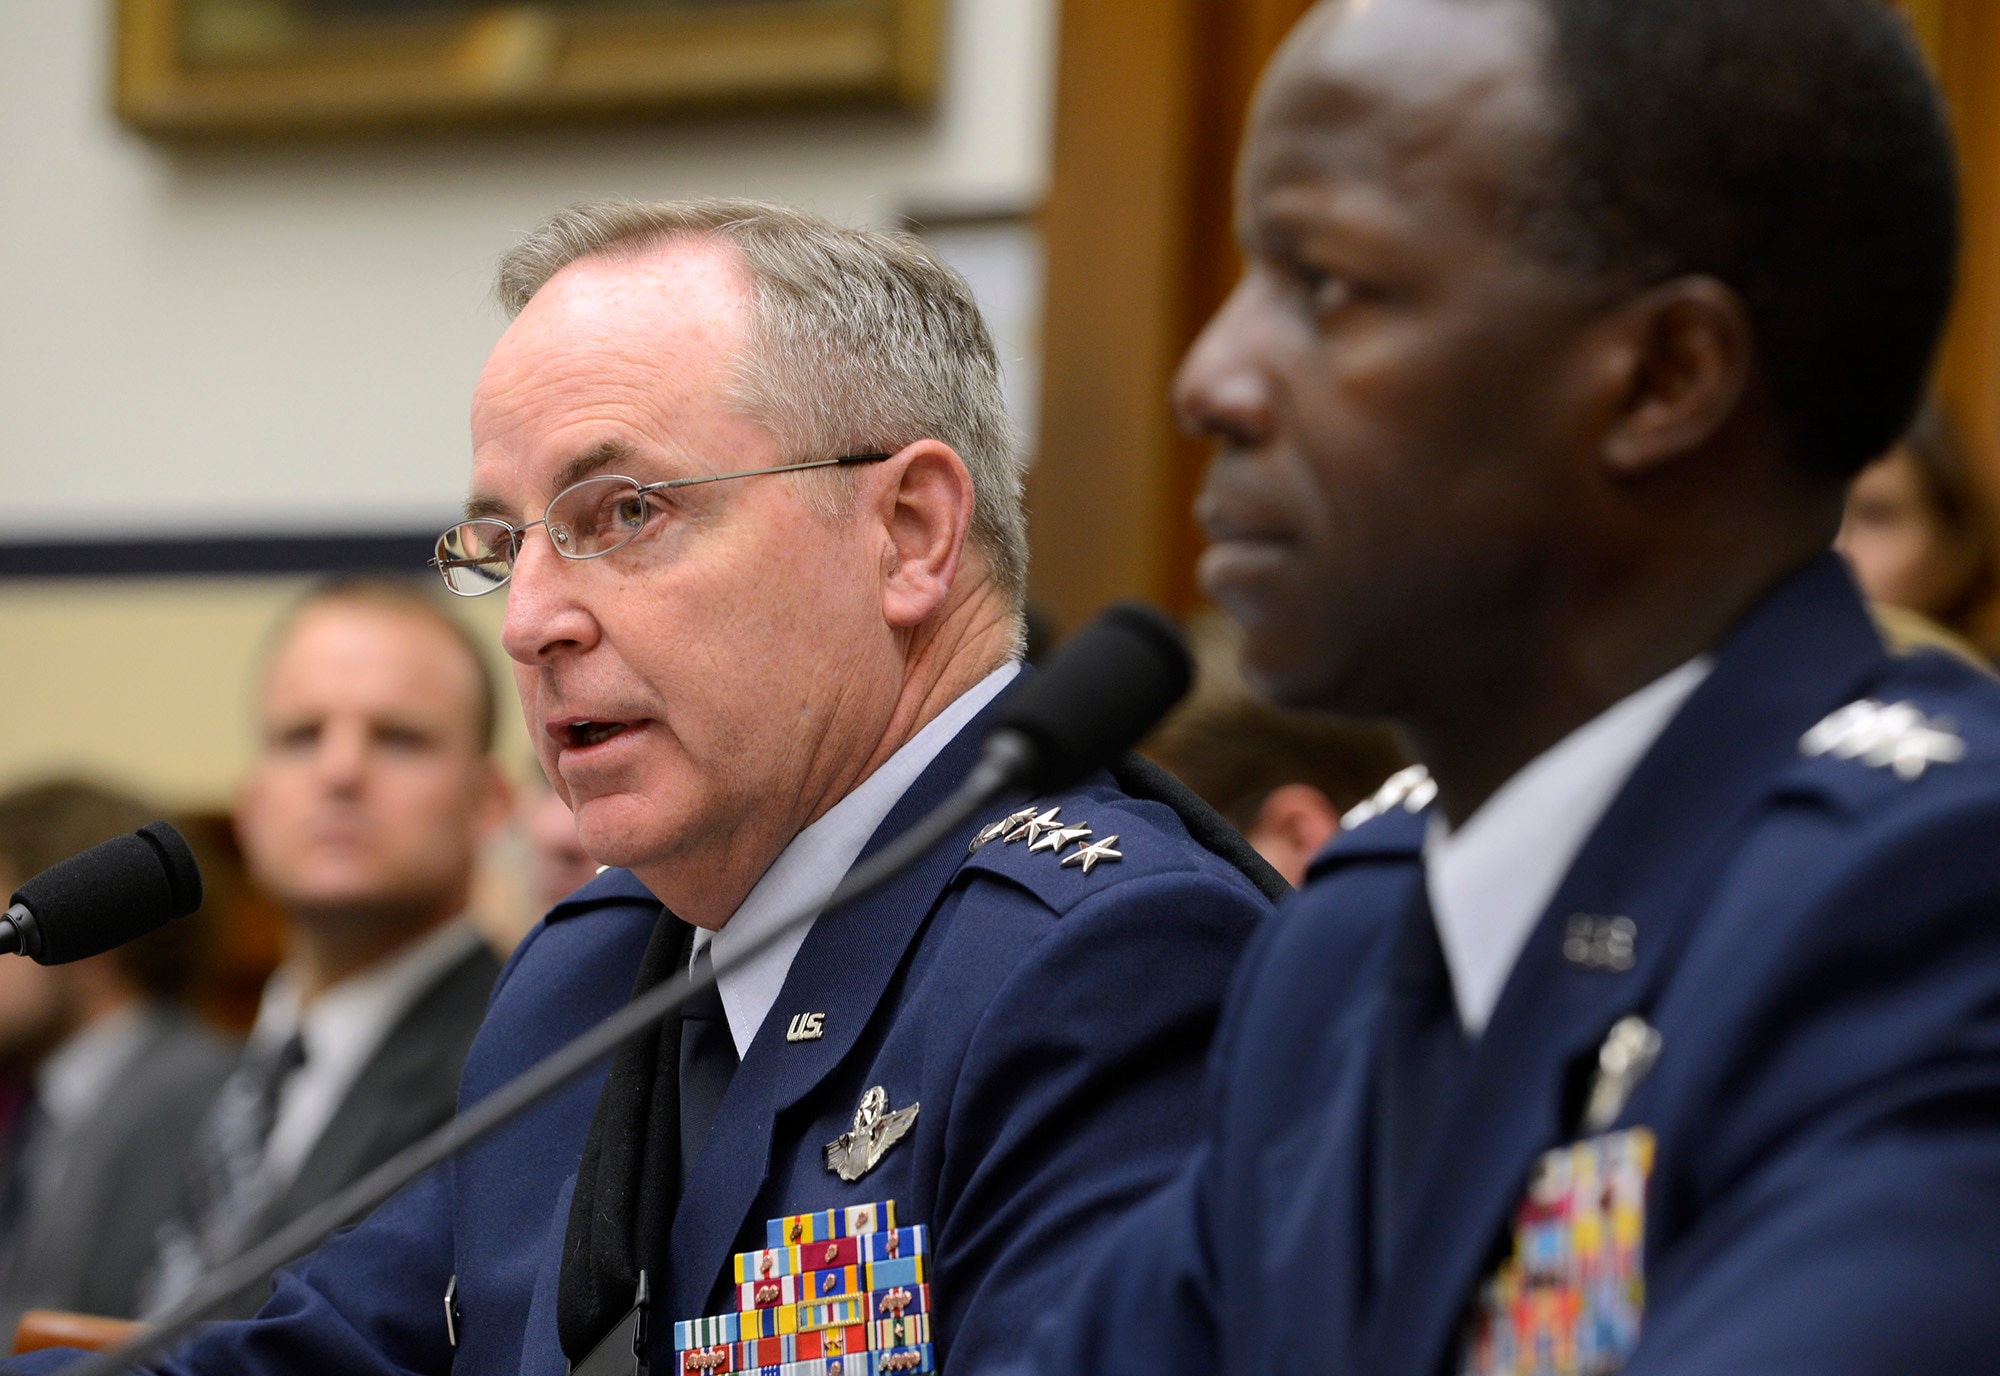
(592, 517)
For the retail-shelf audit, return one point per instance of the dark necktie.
(1421, 1062)
(708, 1062)
(226, 1189)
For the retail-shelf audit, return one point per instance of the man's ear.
(922, 497)
(1680, 359)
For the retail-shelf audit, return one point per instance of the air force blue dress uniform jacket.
(1810, 880)
(1049, 1020)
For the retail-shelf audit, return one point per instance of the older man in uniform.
(748, 482)
(1656, 1025)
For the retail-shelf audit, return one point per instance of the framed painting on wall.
(237, 67)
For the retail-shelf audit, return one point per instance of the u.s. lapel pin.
(1591, 942)
(876, 1128)
(806, 1027)
(1629, 1052)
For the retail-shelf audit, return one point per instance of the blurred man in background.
(373, 790)
(557, 864)
(1654, 1026)
(1283, 779)
(115, 1078)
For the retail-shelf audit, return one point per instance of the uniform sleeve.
(368, 1302)
(1846, 1215)
(1084, 1079)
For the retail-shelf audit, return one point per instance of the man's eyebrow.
(596, 461)
(605, 455)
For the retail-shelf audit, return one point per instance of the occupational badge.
(876, 1128)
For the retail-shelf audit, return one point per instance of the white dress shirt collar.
(1490, 879)
(808, 870)
(342, 1029)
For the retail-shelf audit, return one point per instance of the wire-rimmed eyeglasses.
(584, 520)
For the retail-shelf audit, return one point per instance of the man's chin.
(621, 831)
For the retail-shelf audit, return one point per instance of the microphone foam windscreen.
(1106, 687)
(112, 893)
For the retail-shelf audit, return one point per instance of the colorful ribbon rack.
(836, 1293)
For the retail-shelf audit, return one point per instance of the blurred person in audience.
(557, 863)
(1919, 534)
(115, 1076)
(373, 789)
(1281, 778)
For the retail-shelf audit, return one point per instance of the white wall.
(224, 338)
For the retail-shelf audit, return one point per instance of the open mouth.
(584, 733)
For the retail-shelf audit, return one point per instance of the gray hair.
(863, 340)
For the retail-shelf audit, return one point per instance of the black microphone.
(1104, 689)
(103, 897)
(1099, 693)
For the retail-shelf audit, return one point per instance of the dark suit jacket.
(407, 1089)
(1051, 1024)
(88, 1244)
(1818, 946)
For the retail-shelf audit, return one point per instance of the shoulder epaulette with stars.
(1881, 735)
(1045, 831)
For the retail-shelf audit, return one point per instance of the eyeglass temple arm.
(763, 472)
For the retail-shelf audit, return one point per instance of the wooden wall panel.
(1149, 108)
(1965, 38)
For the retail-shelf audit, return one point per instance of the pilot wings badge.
(876, 1129)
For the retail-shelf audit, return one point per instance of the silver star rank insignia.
(1088, 856)
(1883, 736)
(1059, 838)
(1411, 789)
(1032, 829)
(996, 830)
(876, 1129)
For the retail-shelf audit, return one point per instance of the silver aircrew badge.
(1410, 789)
(1885, 736)
(1045, 831)
(876, 1129)
(1628, 1053)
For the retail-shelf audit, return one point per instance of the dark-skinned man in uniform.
(1655, 1025)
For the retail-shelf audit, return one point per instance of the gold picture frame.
(257, 67)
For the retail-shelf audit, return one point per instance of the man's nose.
(543, 614)
(342, 757)
(1223, 391)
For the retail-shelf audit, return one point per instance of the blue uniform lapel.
(843, 969)
(1374, 869)
(1806, 650)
